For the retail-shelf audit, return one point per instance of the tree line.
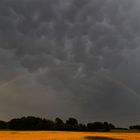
(134, 127)
(71, 124)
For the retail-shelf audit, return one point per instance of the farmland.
(56, 135)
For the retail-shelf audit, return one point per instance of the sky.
(70, 58)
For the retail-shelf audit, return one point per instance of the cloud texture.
(80, 58)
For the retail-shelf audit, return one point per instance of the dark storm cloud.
(80, 55)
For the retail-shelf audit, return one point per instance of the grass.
(56, 135)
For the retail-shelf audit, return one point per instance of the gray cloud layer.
(81, 57)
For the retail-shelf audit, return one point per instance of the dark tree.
(96, 126)
(99, 126)
(48, 124)
(82, 127)
(106, 126)
(71, 124)
(25, 123)
(59, 124)
(34, 123)
(135, 127)
(3, 125)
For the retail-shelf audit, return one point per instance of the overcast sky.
(70, 58)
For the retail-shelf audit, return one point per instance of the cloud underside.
(70, 58)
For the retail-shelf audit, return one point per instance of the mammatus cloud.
(82, 57)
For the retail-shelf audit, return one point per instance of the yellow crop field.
(56, 135)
